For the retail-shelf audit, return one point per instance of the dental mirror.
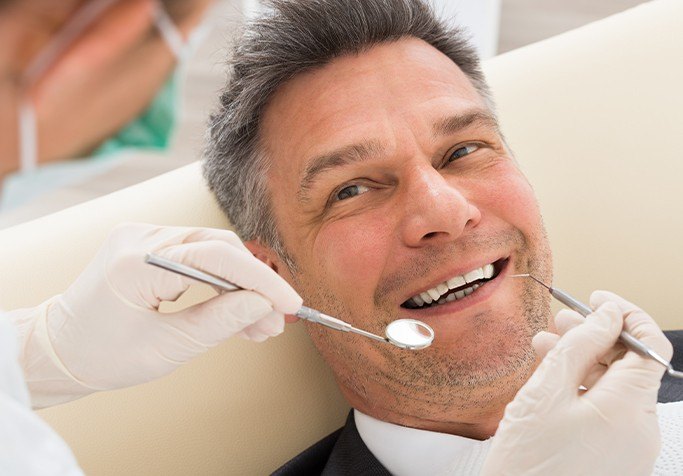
(408, 334)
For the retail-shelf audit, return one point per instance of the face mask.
(152, 130)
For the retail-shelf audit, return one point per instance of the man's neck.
(475, 423)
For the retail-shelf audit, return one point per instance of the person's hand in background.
(106, 77)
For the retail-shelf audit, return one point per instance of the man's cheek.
(513, 199)
(354, 254)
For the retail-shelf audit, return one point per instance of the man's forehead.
(341, 103)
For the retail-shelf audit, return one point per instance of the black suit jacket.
(344, 453)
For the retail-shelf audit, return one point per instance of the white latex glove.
(106, 332)
(552, 428)
(28, 446)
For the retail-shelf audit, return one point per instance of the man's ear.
(268, 256)
(263, 253)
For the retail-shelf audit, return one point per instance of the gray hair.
(292, 37)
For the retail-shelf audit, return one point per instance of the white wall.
(480, 17)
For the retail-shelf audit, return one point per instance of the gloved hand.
(551, 427)
(106, 332)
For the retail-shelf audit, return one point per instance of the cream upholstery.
(595, 117)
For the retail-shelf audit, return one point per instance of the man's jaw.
(456, 290)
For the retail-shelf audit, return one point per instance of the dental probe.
(404, 333)
(630, 341)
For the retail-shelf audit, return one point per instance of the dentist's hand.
(106, 331)
(553, 428)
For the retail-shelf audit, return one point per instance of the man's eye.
(350, 191)
(462, 152)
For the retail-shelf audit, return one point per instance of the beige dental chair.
(595, 117)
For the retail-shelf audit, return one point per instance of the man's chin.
(471, 387)
(475, 366)
(493, 348)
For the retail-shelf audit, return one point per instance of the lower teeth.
(454, 296)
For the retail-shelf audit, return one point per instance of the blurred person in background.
(85, 78)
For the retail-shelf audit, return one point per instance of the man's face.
(388, 178)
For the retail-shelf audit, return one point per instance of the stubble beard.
(483, 373)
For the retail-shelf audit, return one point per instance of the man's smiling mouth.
(457, 287)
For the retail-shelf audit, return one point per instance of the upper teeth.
(435, 293)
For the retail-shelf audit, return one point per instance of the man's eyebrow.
(343, 156)
(453, 124)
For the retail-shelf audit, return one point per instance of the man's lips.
(455, 287)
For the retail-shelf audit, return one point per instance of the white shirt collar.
(409, 451)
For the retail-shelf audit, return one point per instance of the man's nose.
(437, 209)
